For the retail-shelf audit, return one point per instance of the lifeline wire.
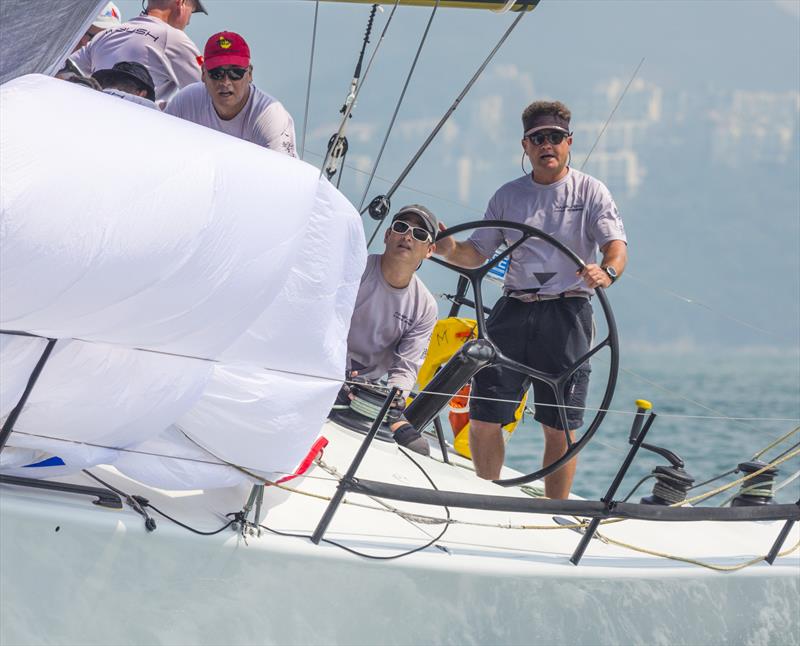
(444, 119)
(308, 87)
(399, 103)
(431, 392)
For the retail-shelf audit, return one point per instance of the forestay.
(200, 286)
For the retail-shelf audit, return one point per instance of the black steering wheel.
(555, 381)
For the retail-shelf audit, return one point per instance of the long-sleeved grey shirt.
(391, 328)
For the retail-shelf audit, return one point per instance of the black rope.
(372, 556)
(237, 518)
(338, 145)
(139, 503)
(791, 448)
(367, 34)
(710, 480)
(637, 485)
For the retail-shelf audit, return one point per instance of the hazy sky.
(698, 54)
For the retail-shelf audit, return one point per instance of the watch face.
(611, 272)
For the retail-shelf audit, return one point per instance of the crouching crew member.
(395, 314)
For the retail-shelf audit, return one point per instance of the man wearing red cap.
(156, 40)
(228, 101)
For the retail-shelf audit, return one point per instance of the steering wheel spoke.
(558, 381)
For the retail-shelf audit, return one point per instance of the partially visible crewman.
(228, 101)
(156, 40)
(544, 319)
(109, 17)
(129, 81)
(395, 313)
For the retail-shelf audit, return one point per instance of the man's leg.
(557, 484)
(487, 448)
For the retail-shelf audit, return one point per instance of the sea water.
(692, 391)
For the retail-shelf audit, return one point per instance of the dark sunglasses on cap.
(418, 233)
(554, 138)
(233, 73)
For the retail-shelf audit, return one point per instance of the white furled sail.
(200, 286)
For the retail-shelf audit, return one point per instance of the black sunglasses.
(418, 233)
(233, 73)
(554, 138)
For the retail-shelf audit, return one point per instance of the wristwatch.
(611, 272)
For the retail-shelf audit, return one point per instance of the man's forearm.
(615, 254)
(464, 254)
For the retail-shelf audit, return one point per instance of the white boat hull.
(73, 573)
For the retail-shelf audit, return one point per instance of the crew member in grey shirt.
(156, 40)
(227, 100)
(395, 313)
(544, 319)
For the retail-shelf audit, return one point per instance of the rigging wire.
(776, 442)
(404, 173)
(308, 86)
(693, 301)
(613, 111)
(350, 102)
(399, 103)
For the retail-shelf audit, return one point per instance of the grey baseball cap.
(199, 7)
(429, 220)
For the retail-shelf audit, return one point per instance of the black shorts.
(548, 336)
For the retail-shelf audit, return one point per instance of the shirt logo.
(569, 207)
(402, 317)
(224, 43)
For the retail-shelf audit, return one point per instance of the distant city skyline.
(701, 155)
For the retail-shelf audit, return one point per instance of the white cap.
(110, 16)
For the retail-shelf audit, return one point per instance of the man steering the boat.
(394, 316)
(544, 318)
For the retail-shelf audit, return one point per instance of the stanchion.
(8, 426)
(344, 483)
(637, 435)
(776, 546)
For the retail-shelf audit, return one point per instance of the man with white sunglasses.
(394, 315)
(544, 318)
(227, 100)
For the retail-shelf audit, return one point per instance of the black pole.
(612, 490)
(8, 426)
(437, 424)
(776, 546)
(344, 483)
(461, 292)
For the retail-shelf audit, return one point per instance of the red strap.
(315, 451)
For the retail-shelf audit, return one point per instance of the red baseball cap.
(226, 48)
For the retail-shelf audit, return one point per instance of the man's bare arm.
(462, 254)
(615, 254)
